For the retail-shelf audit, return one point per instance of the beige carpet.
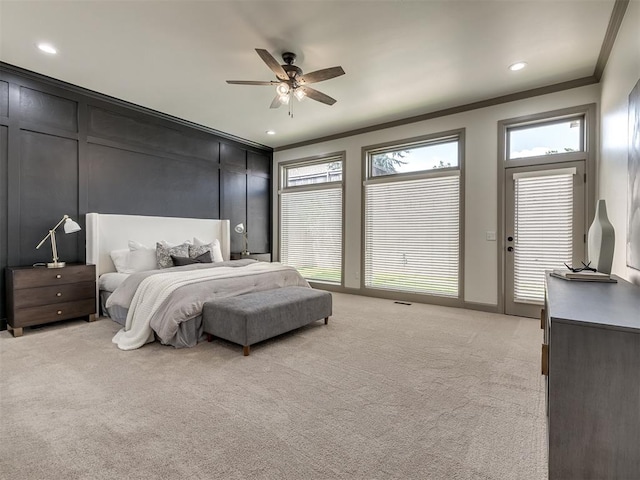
(385, 391)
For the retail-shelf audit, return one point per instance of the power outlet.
(491, 236)
(357, 276)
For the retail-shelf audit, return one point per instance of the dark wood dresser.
(38, 295)
(592, 358)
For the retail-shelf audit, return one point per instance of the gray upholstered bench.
(254, 317)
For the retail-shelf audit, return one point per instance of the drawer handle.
(58, 276)
(59, 312)
(59, 294)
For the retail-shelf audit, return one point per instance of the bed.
(166, 304)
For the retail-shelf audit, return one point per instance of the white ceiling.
(402, 58)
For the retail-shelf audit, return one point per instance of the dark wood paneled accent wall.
(66, 150)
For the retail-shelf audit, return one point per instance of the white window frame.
(432, 139)
(283, 168)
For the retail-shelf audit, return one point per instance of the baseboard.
(482, 307)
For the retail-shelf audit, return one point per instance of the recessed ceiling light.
(517, 66)
(270, 132)
(47, 48)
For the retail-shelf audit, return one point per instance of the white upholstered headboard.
(106, 232)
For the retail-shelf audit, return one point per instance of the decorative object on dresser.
(240, 228)
(39, 295)
(262, 257)
(69, 227)
(591, 356)
(601, 240)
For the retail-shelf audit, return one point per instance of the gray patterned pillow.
(164, 252)
(199, 250)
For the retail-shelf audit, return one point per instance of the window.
(311, 218)
(414, 159)
(412, 217)
(549, 138)
(543, 229)
(548, 161)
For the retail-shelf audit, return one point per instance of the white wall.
(620, 76)
(481, 197)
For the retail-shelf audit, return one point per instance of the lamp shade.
(70, 226)
(239, 228)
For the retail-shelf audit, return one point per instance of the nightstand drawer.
(25, 317)
(32, 297)
(30, 277)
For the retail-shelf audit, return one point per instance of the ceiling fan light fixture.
(282, 88)
(292, 81)
(284, 99)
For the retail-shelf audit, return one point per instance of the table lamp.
(240, 229)
(69, 227)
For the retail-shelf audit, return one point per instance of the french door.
(544, 228)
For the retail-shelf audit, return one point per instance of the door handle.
(509, 249)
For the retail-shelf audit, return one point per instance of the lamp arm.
(54, 247)
(51, 231)
(42, 241)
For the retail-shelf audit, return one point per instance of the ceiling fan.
(291, 80)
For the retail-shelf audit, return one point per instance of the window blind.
(543, 231)
(311, 233)
(412, 230)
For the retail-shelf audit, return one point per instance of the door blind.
(412, 231)
(543, 233)
(311, 233)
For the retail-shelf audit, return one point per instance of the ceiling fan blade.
(318, 96)
(276, 102)
(273, 64)
(320, 75)
(250, 82)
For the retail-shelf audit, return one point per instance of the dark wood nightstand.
(262, 257)
(38, 295)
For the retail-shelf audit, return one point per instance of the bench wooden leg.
(326, 321)
(209, 337)
(245, 350)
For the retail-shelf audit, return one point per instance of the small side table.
(38, 295)
(261, 257)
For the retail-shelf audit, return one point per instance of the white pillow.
(164, 243)
(141, 257)
(121, 260)
(216, 252)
